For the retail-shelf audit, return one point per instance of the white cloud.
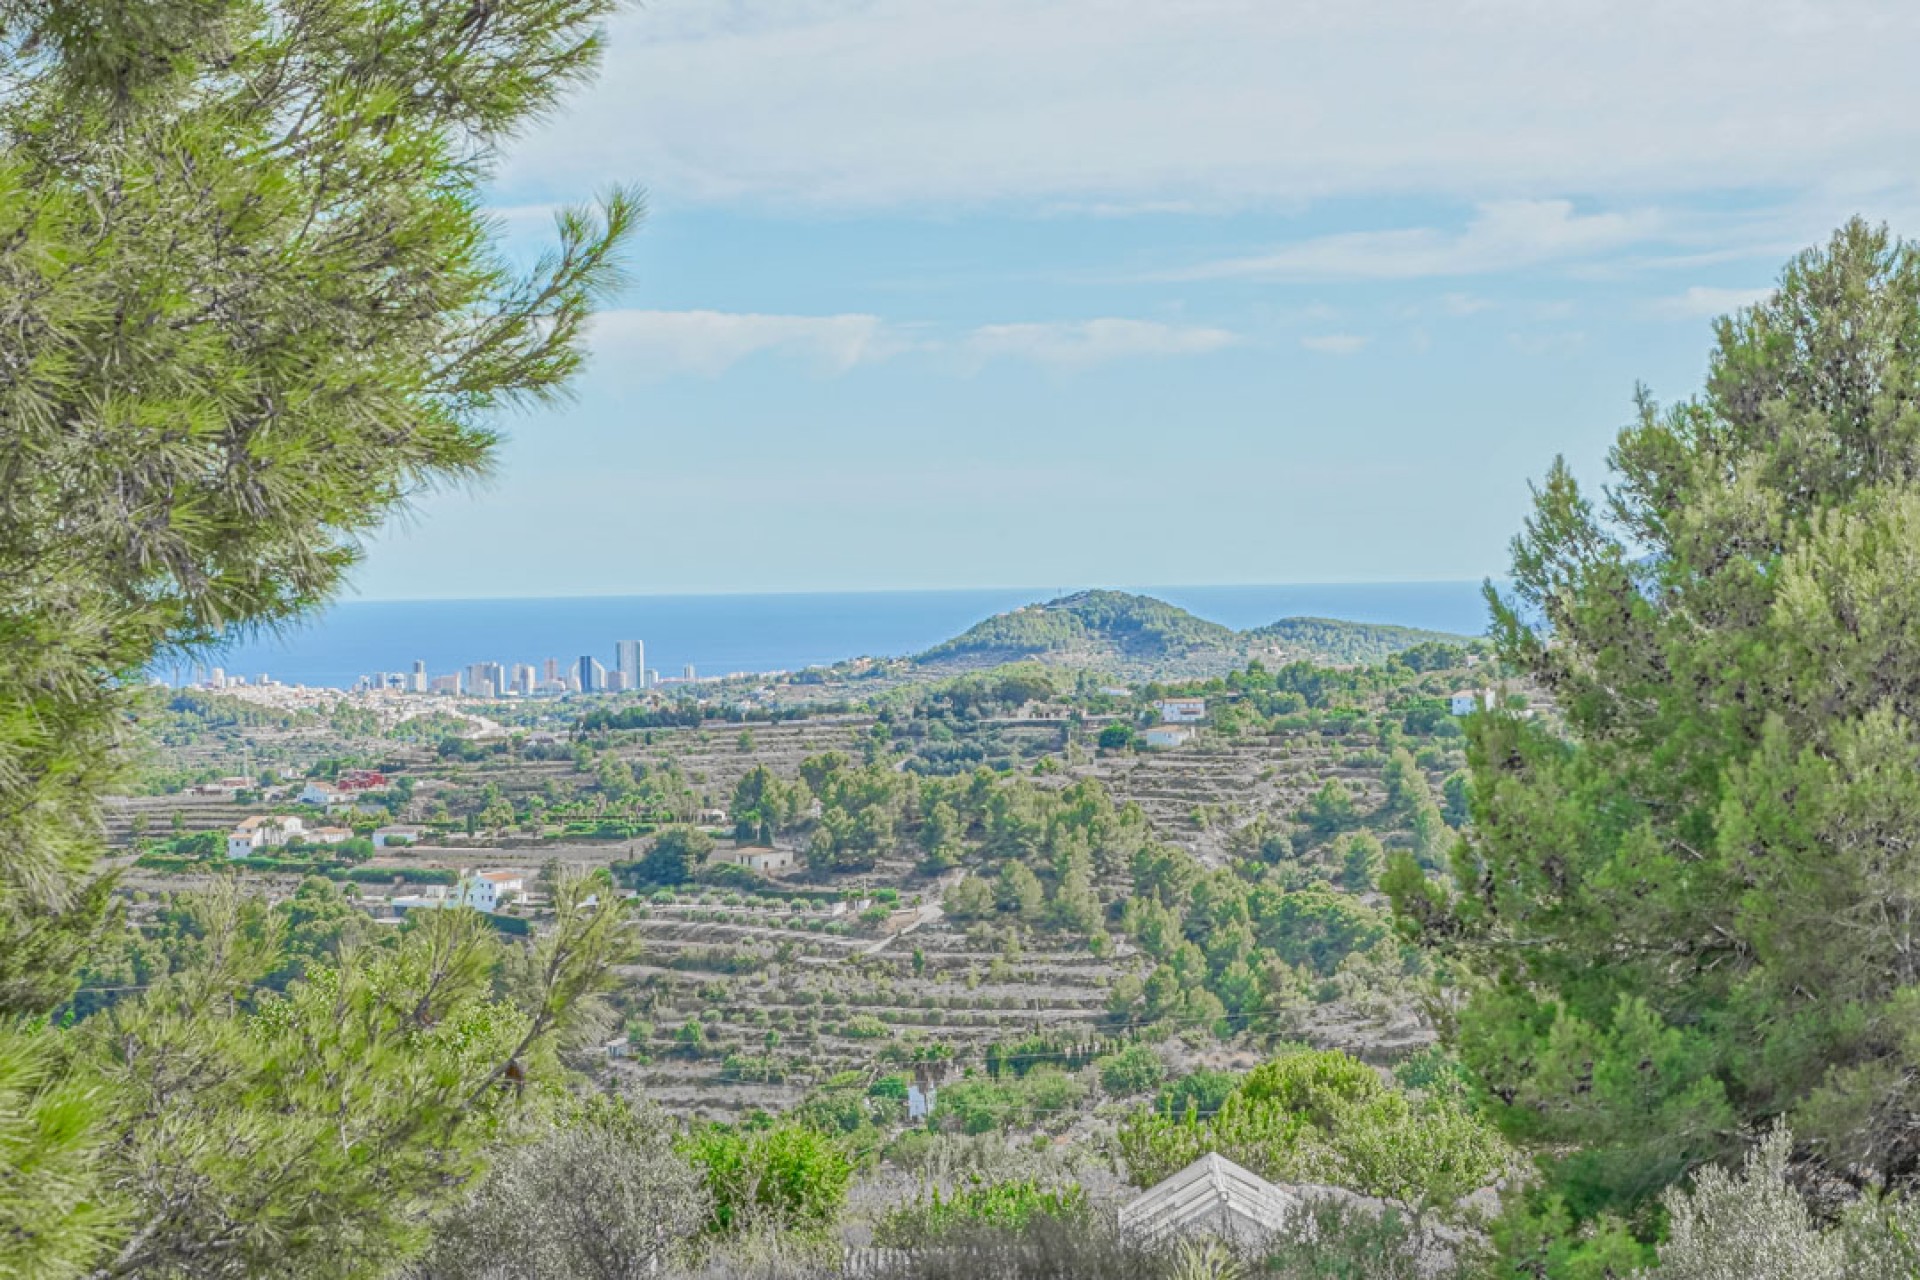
(1336, 344)
(1500, 236)
(1090, 342)
(710, 342)
(1461, 305)
(1211, 103)
(1706, 300)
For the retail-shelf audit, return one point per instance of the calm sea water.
(721, 634)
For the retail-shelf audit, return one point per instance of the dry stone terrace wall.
(808, 988)
(786, 997)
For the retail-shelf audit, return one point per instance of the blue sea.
(724, 634)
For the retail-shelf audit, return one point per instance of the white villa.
(488, 891)
(325, 794)
(263, 831)
(1181, 710)
(397, 836)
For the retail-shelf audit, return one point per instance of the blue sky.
(1109, 292)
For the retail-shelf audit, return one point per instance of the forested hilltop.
(1135, 635)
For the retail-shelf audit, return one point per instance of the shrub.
(1201, 1092)
(1134, 1069)
(1324, 1117)
(1008, 1206)
(786, 1177)
(610, 1196)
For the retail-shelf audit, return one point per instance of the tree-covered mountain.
(1332, 640)
(1119, 629)
(1088, 625)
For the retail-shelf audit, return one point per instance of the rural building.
(1215, 1197)
(262, 831)
(224, 787)
(758, 858)
(397, 836)
(1166, 735)
(328, 835)
(324, 793)
(1468, 701)
(1181, 710)
(488, 891)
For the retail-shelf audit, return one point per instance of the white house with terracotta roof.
(262, 831)
(488, 891)
(1181, 710)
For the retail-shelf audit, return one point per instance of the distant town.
(551, 678)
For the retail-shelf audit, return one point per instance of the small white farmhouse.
(1468, 701)
(1166, 735)
(488, 891)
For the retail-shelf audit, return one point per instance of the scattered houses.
(1181, 710)
(1166, 735)
(397, 836)
(343, 790)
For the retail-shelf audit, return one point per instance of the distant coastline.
(724, 634)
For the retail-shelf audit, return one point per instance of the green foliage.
(1134, 1069)
(1325, 1117)
(255, 305)
(1697, 911)
(1201, 1093)
(675, 857)
(1338, 642)
(983, 1104)
(49, 1131)
(1006, 1206)
(782, 1177)
(313, 1130)
(1135, 626)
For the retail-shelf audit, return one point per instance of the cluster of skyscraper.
(552, 678)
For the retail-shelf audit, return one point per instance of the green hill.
(1144, 636)
(1331, 640)
(1090, 625)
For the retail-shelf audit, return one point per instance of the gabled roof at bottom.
(1213, 1191)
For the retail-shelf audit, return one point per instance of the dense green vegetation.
(1654, 902)
(1333, 641)
(1128, 625)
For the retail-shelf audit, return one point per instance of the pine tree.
(1699, 910)
(251, 306)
